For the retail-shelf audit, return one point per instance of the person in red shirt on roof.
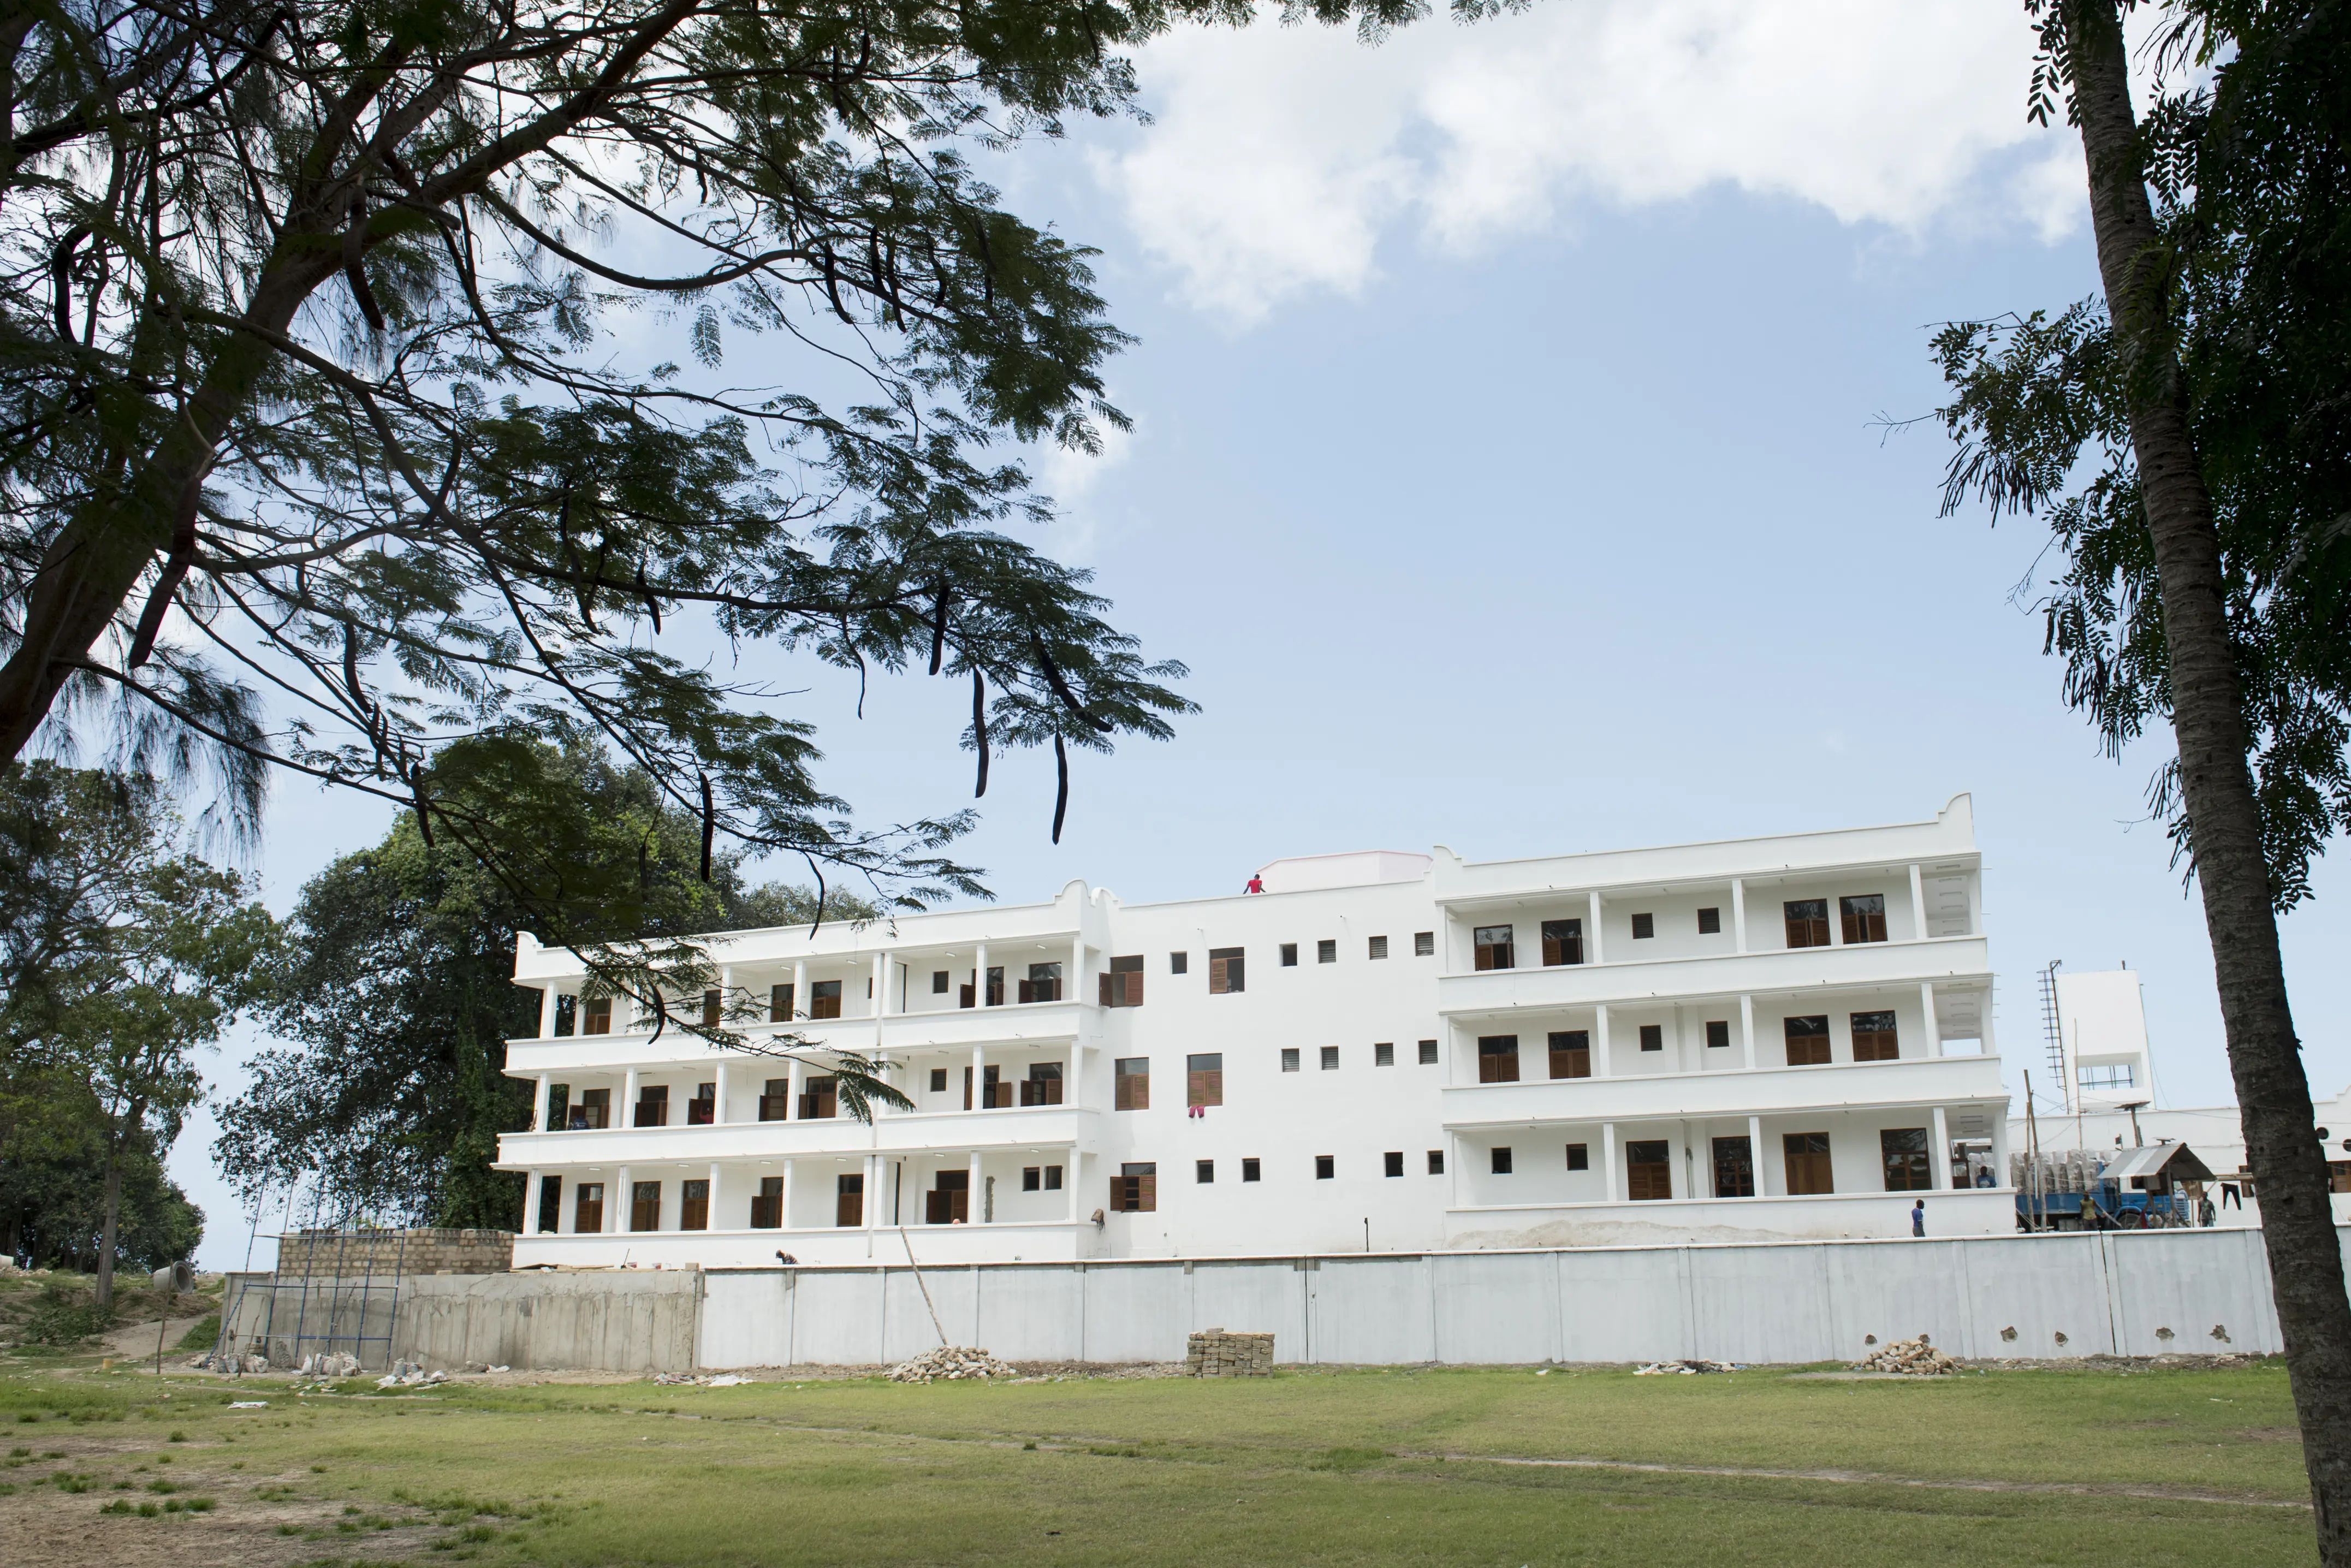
(1256, 884)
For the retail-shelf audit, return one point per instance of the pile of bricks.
(1217, 1354)
(356, 1253)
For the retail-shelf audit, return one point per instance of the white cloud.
(1280, 156)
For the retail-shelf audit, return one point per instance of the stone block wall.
(355, 1253)
(1217, 1354)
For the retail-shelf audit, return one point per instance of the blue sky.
(1507, 468)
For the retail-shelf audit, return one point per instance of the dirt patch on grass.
(2270, 1435)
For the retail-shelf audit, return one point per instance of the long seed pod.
(939, 629)
(1061, 688)
(1061, 797)
(980, 726)
(709, 826)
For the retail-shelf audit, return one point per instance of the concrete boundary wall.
(609, 1321)
(2129, 1293)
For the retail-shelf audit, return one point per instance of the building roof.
(2176, 1161)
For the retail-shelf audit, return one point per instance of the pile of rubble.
(1911, 1357)
(229, 1362)
(329, 1364)
(695, 1380)
(409, 1375)
(1683, 1368)
(951, 1362)
(1218, 1354)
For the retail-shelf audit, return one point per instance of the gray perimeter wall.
(2131, 1293)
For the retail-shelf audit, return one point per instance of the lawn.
(1405, 1466)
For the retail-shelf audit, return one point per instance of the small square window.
(1579, 1157)
(1325, 1168)
(1179, 963)
(1290, 955)
(1710, 922)
(1330, 1059)
(1204, 1171)
(1379, 946)
(1326, 952)
(1644, 926)
(1248, 1170)
(1052, 1178)
(1652, 1037)
(1428, 1053)
(1717, 1034)
(939, 982)
(938, 1080)
(1501, 1160)
(1436, 1162)
(1032, 1179)
(1392, 1163)
(1384, 1053)
(1423, 944)
(1289, 1059)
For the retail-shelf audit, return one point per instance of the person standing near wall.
(1918, 1217)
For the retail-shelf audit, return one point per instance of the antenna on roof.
(2053, 1028)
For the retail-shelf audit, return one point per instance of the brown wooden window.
(1873, 1038)
(1392, 1163)
(558, 1107)
(713, 1004)
(1807, 1154)
(779, 1004)
(1492, 948)
(1428, 1053)
(938, 1080)
(1498, 1059)
(1864, 918)
(1717, 1034)
(1043, 1084)
(1289, 1059)
(1807, 921)
(701, 1110)
(1131, 1084)
(768, 1204)
(820, 1100)
(1562, 942)
(940, 982)
(1652, 1037)
(1179, 963)
(594, 1111)
(1251, 1169)
(1327, 951)
(1384, 1053)
(1644, 927)
(1052, 1178)
(1807, 1040)
(1043, 984)
(693, 1205)
(1423, 944)
(1710, 922)
(644, 1206)
(1502, 1159)
(996, 985)
(1032, 1178)
(1135, 1188)
(1649, 1172)
(596, 1015)
(653, 1105)
(1287, 956)
(1734, 1168)
(1379, 946)
(824, 999)
(775, 1100)
(1225, 974)
(994, 1093)
(949, 1200)
(2338, 1176)
(551, 1204)
(588, 1207)
(848, 1201)
(1330, 1059)
(1122, 986)
(1571, 1053)
(1904, 1150)
(1436, 1162)
(1579, 1156)
(1204, 1172)
(1325, 1168)
(1204, 1078)
(966, 997)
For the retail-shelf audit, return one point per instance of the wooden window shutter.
(779, 1004)
(1107, 991)
(710, 1009)
(1146, 1194)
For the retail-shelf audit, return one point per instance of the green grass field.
(1405, 1466)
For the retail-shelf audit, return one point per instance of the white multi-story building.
(1783, 1037)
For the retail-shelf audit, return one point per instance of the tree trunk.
(2217, 790)
(113, 1224)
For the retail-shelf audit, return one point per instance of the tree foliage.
(2248, 149)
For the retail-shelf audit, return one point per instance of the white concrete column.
(1927, 1005)
(795, 1074)
(1601, 1066)
(974, 1202)
(1939, 1152)
(881, 986)
(785, 1216)
(1069, 1180)
(800, 989)
(1755, 1153)
(530, 1203)
(2000, 1150)
(616, 1205)
(872, 1191)
(979, 1077)
(1747, 1029)
(546, 1012)
(1738, 912)
(538, 1111)
(627, 1111)
(1596, 956)
(1918, 905)
(1073, 1091)
(1608, 1155)
(726, 992)
(1073, 990)
(1453, 1168)
(719, 1105)
(1991, 1045)
(710, 1212)
(979, 977)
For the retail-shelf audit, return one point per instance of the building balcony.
(1857, 966)
(960, 1028)
(1061, 1126)
(1813, 1217)
(1759, 1092)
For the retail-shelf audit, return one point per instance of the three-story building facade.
(1786, 1037)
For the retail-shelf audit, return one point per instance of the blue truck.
(2136, 1189)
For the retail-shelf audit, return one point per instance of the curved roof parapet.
(1352, 868)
